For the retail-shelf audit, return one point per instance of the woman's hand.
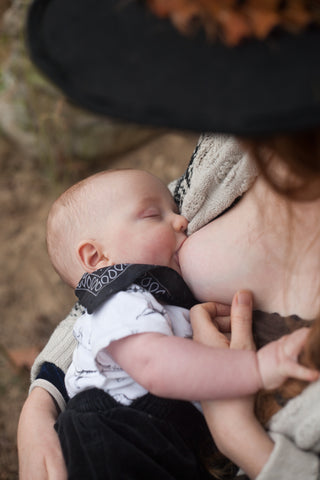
(233, 425)
(212, 321)
(207, 330)
(211, 324)
(40, 455)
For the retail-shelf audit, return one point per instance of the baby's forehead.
(129, 180)
(128, 187)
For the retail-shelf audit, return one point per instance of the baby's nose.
(180, 223)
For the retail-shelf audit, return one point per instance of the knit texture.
(295, 432)
(219, 172)
(61, 345)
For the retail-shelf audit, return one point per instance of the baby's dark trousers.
(153, 438)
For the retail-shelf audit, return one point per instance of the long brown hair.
(300, 151)
(268, 403)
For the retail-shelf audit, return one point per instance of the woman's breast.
(258, 246)
(216, 260)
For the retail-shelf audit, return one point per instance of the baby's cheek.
(157, 250)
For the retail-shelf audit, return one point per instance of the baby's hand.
(278, 360)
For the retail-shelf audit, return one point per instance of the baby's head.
(116, 216)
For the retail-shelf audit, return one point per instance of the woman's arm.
(235, 429)
(240, 437)
(40, 455)
(238, 434)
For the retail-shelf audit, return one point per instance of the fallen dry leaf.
(22, 358)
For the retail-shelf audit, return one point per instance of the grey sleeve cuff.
(287, 461)
(50, 388)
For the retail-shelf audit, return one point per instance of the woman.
(254, 88)
(240, 258)
(274, 251)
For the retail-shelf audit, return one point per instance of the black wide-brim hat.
(117, 59)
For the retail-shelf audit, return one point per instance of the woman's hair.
(300, 151)
(270, 402)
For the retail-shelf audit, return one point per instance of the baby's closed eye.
(151, 212)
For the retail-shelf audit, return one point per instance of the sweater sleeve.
(60, 346)
(218, 174)
(295, 432)
(51, 379)
(287, 461)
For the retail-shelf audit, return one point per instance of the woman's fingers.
(222, 309)
(210, 320)
(202, 317)
(241, 321)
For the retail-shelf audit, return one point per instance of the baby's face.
(144, 225)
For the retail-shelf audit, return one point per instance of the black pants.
(154, 438)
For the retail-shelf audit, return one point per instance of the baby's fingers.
(292, 346)
(279, 360)
(293, 343)
(295, 370)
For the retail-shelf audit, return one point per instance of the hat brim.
(117, 59)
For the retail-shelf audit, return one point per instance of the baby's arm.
(175, 367)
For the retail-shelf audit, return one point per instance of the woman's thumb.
(241, 321)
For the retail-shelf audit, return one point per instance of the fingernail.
(244, 298)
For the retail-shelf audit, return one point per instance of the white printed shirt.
(125, 313)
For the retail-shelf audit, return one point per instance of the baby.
(109, 232)
(116, 237)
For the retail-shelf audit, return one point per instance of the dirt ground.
(32, 297)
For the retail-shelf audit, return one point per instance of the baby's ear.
(91, 256)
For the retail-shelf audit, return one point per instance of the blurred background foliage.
(46, 144)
